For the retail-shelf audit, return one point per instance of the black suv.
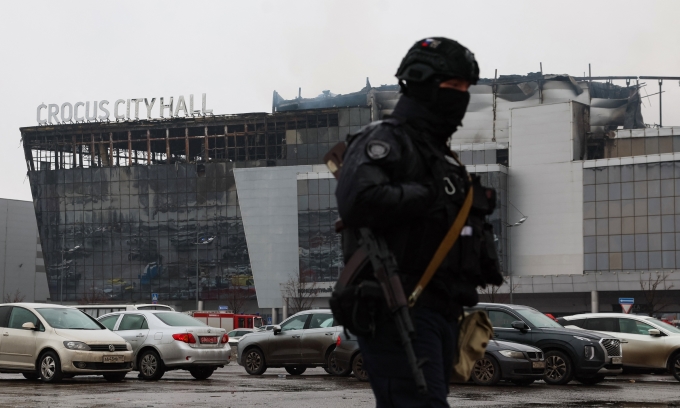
(569, 354)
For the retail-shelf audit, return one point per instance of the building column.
(274, 316)
(284, 312)
(594, 302)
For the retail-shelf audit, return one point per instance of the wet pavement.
(232, 387)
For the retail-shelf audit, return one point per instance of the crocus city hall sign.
(99, 111)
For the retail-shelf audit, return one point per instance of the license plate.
(114, 359)
(538, 364)
(616, 360)
(208, 339)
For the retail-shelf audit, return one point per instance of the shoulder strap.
(444, 248)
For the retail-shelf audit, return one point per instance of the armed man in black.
(401, 180)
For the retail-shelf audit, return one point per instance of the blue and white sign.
(154, 298)
(626, 304)
(223, 307)
(269, 320)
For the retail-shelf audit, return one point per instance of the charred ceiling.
(248, 137)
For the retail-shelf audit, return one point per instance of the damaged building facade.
(221, 203)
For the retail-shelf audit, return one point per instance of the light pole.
(206, 242)
(61, 272)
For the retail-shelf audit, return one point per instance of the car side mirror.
(31, 326)
(277, 329)
(654, 332)
(520, 325)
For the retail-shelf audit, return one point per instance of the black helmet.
(438, 57)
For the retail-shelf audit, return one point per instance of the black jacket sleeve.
(369, 193)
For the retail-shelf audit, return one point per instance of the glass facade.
(320, 248)
(123, 233)
(631, 217)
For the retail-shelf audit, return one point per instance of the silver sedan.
(163, 341)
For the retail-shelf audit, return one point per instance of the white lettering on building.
(73, 113)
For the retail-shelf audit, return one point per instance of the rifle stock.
(385, 271)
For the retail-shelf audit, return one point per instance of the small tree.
(14, 298)
(237, 297)
(493, 294)
(654, 291)
(298, 293)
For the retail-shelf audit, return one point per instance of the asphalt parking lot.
(232, 387)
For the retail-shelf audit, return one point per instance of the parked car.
(234, 337)
(236, 334)
(52, 342)
(648, 343)
(348, 357)
(304, 340)
(514, 362)
(268, 327)
(569, 353)
(163, 341)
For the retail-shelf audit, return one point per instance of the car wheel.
(50, 367)
(150, 366)
(254, 362)
(333, 368)
(522, 383)
(486, 371)
(296, 370)
(115, 377)
(674, 366)
(31, 376)
(202, 373)
(558, 368)
(358, 368)
(590, 380)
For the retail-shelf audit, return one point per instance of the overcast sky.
(238, 52)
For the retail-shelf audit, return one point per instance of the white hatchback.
(52, 342)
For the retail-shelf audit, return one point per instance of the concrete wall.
(546, 185)
(19, 250)
(269, 208)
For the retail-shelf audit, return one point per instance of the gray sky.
(238, 52)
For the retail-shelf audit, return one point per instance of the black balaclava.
(444, 107)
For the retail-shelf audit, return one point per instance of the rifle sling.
(445, 246)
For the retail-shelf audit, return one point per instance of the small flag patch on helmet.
(377, 149)
(430, 42)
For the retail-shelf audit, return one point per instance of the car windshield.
(178, 319)
(665, 325)
(73, 319)
(537, 318)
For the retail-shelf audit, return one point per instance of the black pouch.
(356, 306)
(478, 256)
(471, 242)
(488, 261)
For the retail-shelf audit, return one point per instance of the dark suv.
(569, 354)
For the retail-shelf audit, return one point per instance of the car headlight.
(589, 352)
(128, 346)
(76, 345)
(582, 338)
(512, 353)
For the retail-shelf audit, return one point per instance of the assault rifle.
(374, 250)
